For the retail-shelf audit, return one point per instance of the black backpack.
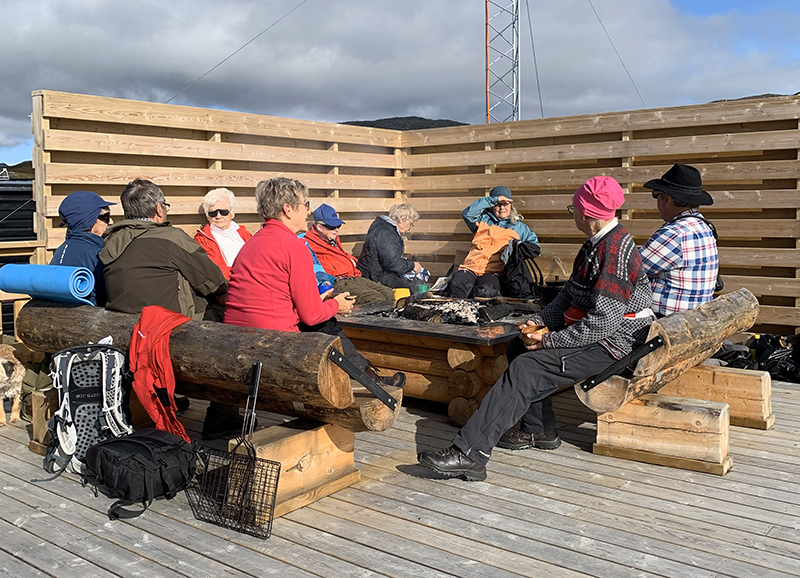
(521, 276)
(138, 468)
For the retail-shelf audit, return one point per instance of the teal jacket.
(480, 211)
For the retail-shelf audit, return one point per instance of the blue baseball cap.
(81, 209)
(327, 214)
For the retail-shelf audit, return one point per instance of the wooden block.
(747, 392)
(43, 405)
(316, 460)
(670, 427)
(662, 460)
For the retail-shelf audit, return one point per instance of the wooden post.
(43, 405)
(747, 392)
(316, 460)
(673, 431)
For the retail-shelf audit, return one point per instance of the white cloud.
(364, 59)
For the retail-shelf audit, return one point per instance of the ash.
(460, 312)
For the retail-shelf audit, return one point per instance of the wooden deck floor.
(565, 513)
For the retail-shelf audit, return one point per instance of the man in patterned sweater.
(601, 315)
(681, 257)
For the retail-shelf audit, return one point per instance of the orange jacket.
(206, 240)
(488, 243)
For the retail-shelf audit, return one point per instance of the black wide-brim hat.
(682, 182)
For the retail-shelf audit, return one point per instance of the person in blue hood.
(86, 216)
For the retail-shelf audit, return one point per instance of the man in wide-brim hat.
(681, 257)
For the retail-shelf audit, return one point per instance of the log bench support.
(43, 405)
(316, 460)
(747, 392)
(672, 431)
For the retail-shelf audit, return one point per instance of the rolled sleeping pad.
(54, 282)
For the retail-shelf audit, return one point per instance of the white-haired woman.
(221, 237)
(381, 258)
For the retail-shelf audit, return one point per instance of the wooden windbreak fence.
(746, 150)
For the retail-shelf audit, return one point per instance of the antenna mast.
(502, 60)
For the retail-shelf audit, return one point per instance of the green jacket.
(147, 263)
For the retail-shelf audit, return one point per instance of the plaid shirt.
(682, 262)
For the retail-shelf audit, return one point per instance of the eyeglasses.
(307, 204)
(105, 217)
(223, 212)
(571, 209)
(166, 205)
(504, 204)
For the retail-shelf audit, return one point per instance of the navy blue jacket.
(80, 250)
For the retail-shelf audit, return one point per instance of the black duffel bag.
(138, 468)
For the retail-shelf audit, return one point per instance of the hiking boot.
(453, 462)
(181, 403)
(219, 424)
(396, 380)
(516, 439)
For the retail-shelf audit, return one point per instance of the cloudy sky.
(338, 60)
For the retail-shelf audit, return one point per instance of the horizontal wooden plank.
(720, 144)
(128, 144)
(755, 200)
(742, 111)
(245, 205)
(105, 109)
(80, 174)
(739, 172)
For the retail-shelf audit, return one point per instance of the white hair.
(403, 211)
(219, 195)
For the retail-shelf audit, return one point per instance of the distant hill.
(405, 123)
(23, 170)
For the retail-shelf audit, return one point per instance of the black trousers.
(332, 327)
(464, 284)
(524, 392)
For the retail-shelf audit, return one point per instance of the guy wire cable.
(535, 65)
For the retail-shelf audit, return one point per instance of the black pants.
(464, 284)
(332, 327)
(524, 392)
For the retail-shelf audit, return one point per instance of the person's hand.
(528, 323)
(417, 267)
(327, 295)
(534, 341)
(501, 198)
(345, 303)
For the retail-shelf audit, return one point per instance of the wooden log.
(748, 393)
(691, 337)
(395, 349)
(461, 409)
(215, 356)
(668, 430)
(492, 368)
(433, 387)
(426, 366)
(469, 383)
(702, 329)
(316, 460)
(464, 356)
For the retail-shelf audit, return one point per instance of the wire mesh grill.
(235, 490)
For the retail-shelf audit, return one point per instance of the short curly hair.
(217, 195)
(403, 211)
(272, 194)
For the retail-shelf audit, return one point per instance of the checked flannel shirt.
(682, 262)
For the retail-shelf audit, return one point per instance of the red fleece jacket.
(272, 283)
(335, 260)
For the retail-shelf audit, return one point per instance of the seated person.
(382, 256)
(601, 315)
(323, 239)
(494, 222)
(221, 237)
(681, 257)
(149, 262)
(87, 217)
(272, 281)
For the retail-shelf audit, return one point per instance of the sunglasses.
(657, 194)
(105, 217)
(326, 226)
(223, 212)
(570, 209)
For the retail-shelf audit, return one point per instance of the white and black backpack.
(90, 380)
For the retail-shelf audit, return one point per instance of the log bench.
(212, 361)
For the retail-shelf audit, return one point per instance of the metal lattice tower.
(502, 60)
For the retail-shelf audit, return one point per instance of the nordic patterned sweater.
(607, 282)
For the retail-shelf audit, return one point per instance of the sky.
(339, 60)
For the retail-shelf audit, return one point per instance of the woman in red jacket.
(221, 237)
